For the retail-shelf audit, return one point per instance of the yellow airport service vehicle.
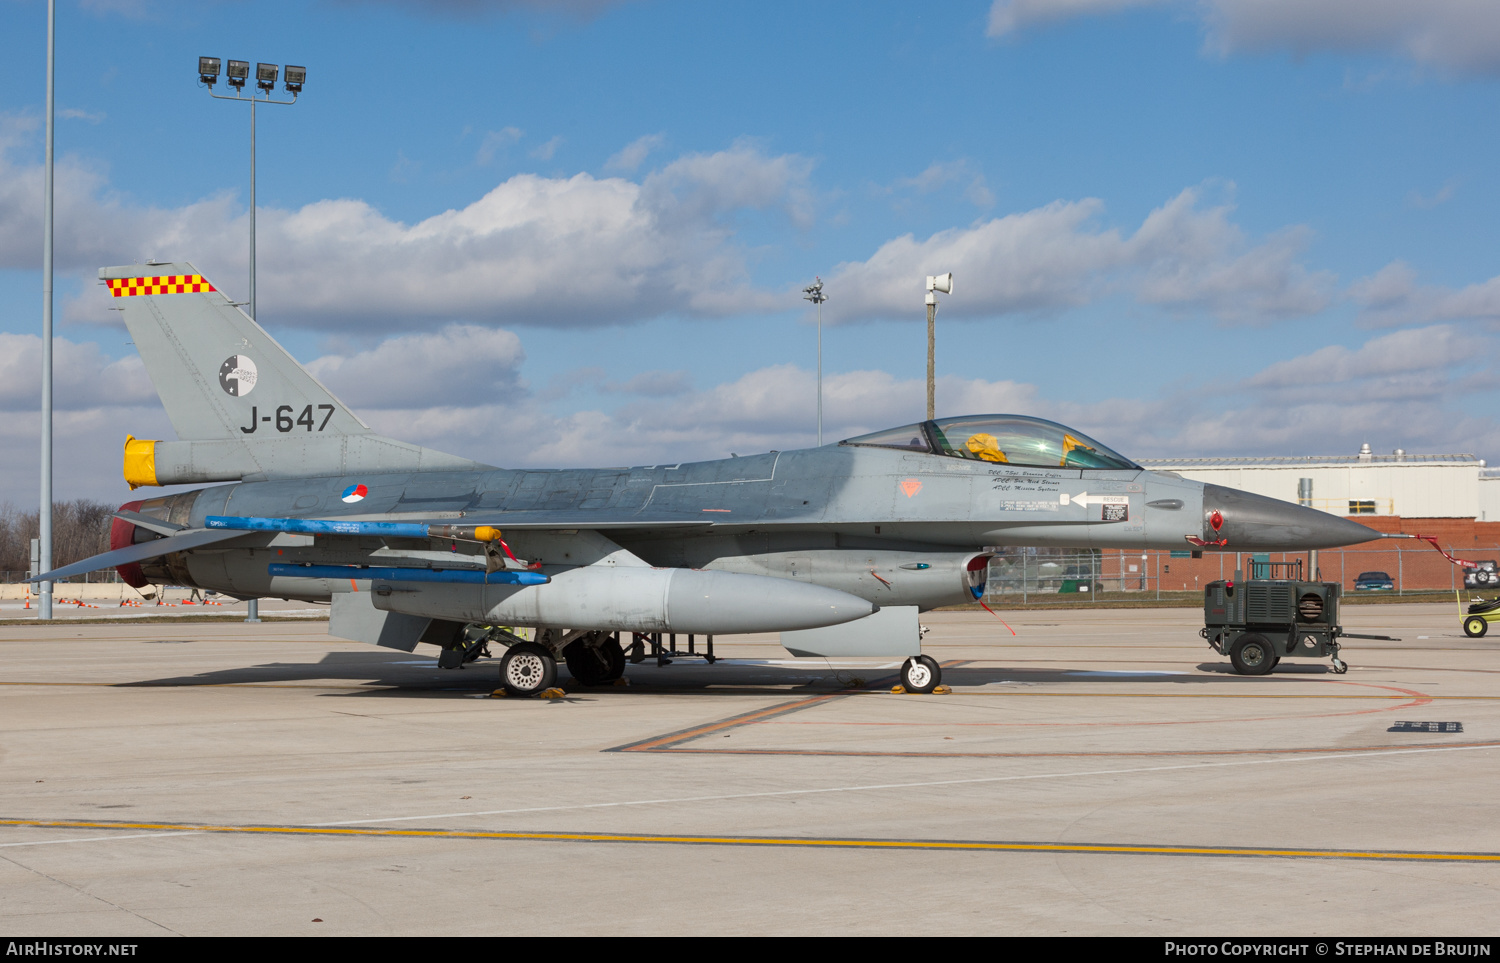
(1479, 616)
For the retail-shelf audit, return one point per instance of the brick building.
(1453, 497)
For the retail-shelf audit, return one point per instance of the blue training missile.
(465, 575)
(318, 526)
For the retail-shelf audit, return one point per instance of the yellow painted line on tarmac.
(781, 841)
(839, 692)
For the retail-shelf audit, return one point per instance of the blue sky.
(573, 234)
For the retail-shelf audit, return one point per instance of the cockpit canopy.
(1000, 439)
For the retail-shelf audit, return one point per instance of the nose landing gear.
(921, 674)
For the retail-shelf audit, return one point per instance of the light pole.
(943, 283)
(237, 74)
(44, 510)
(265, 80)
(814, 293)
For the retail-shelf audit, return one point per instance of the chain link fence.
(1061, 576)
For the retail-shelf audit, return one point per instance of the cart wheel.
(1252, 655)
(1475, 627)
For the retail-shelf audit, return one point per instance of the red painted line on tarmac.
(674, 742)
(664, 742)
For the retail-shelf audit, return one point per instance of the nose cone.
(1255, 522)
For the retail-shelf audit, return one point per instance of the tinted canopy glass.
(1001, 440)
(910, 437)
(1017, 440)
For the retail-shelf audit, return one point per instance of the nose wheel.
(921, 673)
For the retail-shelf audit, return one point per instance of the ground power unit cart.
(1260, 621)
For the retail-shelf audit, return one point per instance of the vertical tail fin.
(240, 404)
(213, 366)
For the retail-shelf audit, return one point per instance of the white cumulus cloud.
(1183, 258)
(567, 251)
(425, 369)
(1393, 296)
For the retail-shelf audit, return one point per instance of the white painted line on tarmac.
(101, 839)
(905, 785)
(1119, 673)
(793, 792)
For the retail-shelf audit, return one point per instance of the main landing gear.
(596, 658)
(526, 669)
(530, 668)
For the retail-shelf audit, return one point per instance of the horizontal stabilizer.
(139, 553)
(474, 576)
(148, 523)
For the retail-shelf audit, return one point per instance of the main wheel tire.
(1475, 626)
(921, 673)
(1252, 655)
(615, 655)
(526, 669)
(596, 664)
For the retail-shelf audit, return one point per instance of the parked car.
(1484, 577)
(1374, 582)
(1079, 578)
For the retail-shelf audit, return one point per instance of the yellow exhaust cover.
(140, 462)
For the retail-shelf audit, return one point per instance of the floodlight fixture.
(295, 78)
(237, 73)
(208, 70)
(265, 76)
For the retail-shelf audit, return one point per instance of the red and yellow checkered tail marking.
(167, 284)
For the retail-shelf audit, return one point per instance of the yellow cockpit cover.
(1070, 443)
(986, 447)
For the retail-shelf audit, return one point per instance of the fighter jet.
(837, 547)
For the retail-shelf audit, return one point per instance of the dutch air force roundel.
(355, 493)
(237, 375)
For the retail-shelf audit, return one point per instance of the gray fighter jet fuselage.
(411, 545)
(893, 526)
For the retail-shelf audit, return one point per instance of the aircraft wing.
(139, 553)
(224, 527)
